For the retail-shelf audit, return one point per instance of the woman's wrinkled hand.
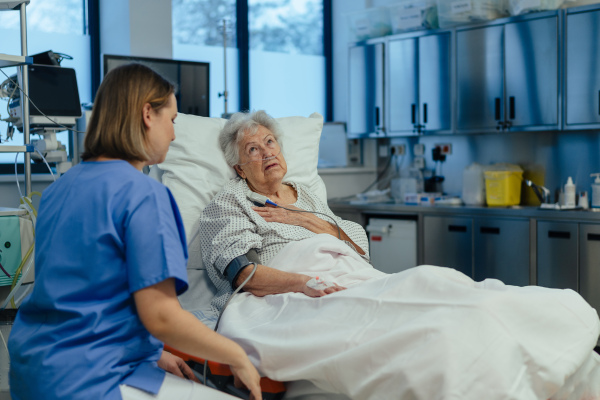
(247, 377)
(175, 365)
(281, 215)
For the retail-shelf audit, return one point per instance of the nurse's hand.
(175, 365)
(246, 376)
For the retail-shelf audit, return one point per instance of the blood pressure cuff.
(238, 264)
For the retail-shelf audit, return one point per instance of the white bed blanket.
(424, 333)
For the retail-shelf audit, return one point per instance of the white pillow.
(195, 169)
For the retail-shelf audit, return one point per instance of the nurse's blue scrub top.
(104, 230)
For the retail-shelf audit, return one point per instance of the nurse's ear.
(147, 115)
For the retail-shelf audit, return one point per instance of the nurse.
(110, 261)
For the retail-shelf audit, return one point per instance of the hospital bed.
(195, 170)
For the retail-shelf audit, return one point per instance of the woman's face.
(160, 130)
(261, 160)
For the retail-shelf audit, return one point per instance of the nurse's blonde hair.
(116, 128)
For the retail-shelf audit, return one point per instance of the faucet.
(542, 193)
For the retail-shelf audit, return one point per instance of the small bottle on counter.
(596, 191)
(570, 193)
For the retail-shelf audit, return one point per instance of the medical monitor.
(53, 91)
(190, 78)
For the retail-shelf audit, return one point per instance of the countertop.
(392, 208)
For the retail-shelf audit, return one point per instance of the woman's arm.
(306, 220)
(268, 280)
(160, 312)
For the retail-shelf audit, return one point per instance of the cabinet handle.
(598, 101)
(376, 116)
(559, 235)
(424, 113)
(414, 113)
(489, 230)
(511, 105)
(497, 108)
(593, 236)
(457, 228)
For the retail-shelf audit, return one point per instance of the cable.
(385, 169)
(17, 285)
(3, 341)
(46, 162)
(225, 306)
(264, 200)
(36, 107)
(17, 175)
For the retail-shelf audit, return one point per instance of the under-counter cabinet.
(557, 254)
(366, 91)
(448, 242)
(419, 85)
(508, 74)
(582, 102)
(501, 250)
(589, 263)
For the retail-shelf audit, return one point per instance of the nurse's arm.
(160, 312)
(267, 280)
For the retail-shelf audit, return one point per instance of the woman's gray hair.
(238, 125)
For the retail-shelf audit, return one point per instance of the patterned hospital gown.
(230, 228)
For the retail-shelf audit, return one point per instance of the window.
(198, 36)
(287, 66)
(286, 62)
(57, 25)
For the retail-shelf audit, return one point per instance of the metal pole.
(25, 102)
(225, 94)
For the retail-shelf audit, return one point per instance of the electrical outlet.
(445, 148)
(399, 149)
(419, 162)
(419, 149)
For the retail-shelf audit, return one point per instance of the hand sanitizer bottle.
(570, 193)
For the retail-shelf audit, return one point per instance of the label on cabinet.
(458, 7)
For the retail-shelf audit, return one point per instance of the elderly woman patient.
(425, 333)
(237, 231)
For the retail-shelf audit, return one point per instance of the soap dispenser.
(570, 193)
(596, 191)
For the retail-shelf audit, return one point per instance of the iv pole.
(225, 94)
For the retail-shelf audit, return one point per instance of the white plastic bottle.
(570, 193)
(596, 191)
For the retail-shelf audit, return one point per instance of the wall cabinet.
(582, 75)
(448, 242)
(366, 91)
(508, 74)
(419, 85)
(501, 250)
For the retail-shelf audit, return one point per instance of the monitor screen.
(190, 78)
(54, 91)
